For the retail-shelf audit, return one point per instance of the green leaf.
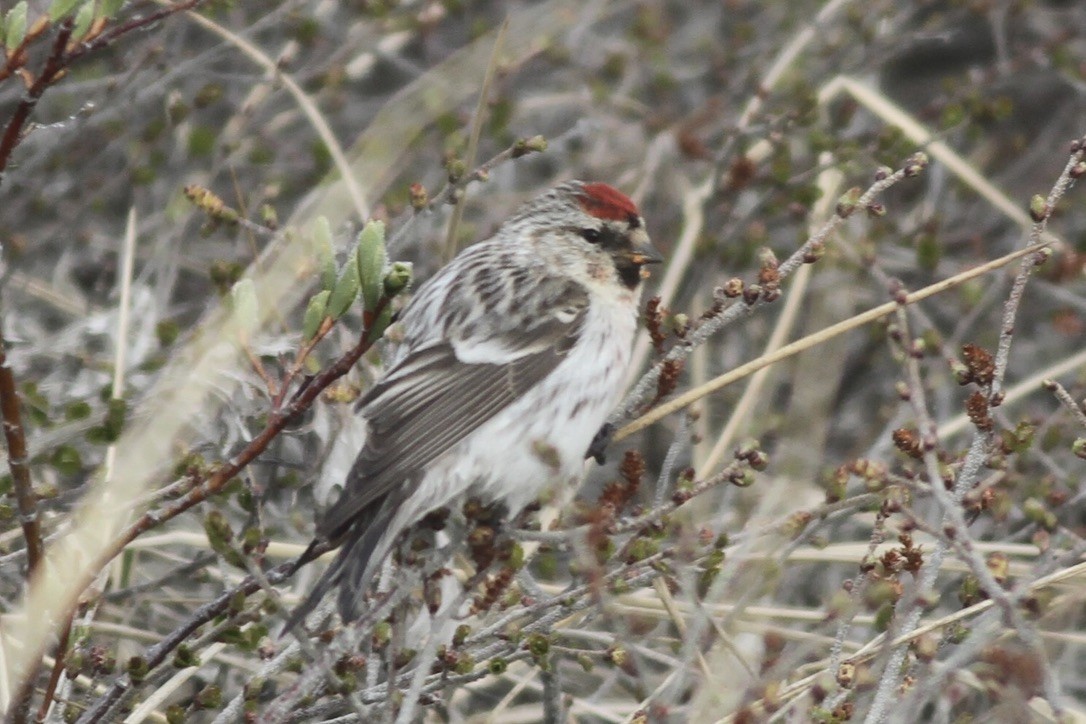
(15, 26)
(109, 8)
(83, 20)
(346, 288)
(61, 8)
(66, 460)
(244, 303)
(326, 252)
(315, 312)
(372, 259)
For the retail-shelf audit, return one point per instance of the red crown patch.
(606, 202)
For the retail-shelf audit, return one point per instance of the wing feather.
(432, 398)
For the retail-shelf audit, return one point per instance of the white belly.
(542, 438)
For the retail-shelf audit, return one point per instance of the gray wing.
(434, 397)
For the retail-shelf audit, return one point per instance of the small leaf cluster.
(88, 19)
(365, 275)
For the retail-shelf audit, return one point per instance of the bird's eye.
(591, 235)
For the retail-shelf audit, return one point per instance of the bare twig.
(949, 502)
(1066, 400)
(803, 255)
(54, 65)
(157, 654)
(815, 339)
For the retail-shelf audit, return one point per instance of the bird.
(513, 355)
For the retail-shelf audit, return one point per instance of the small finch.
(513, 355)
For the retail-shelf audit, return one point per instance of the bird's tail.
(363, 547)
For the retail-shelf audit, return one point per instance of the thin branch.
(157, 654)
(829, 182)
(803, 255)
(817, 338)
(54, 64)
(1036, 233)
(1066, 400)
(450, 192)
(15, 435)
(277, 422)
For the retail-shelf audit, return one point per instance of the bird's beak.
(646, 255)
(642, 251)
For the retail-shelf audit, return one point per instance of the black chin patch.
(629, 273)
(617, 243)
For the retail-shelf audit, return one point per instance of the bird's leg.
(598, 448)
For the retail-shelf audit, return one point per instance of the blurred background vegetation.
(738, 127)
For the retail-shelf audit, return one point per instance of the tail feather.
(324, 584)
(362, 548)
(368, 550)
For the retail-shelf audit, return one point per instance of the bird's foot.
(598, 448)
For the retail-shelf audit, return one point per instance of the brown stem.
(259, 368)
(15, 435)
(58, 667)
(54, 64)
(278, 419)
(17, 462)
(299, 360)
(59, 59)
(138, 23)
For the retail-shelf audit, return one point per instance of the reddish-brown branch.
(258, 367)
(58, 666)
(217, 480)
(15, 435)
(59, 59)
(299, 361)
(54, 64)
(119, 31)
